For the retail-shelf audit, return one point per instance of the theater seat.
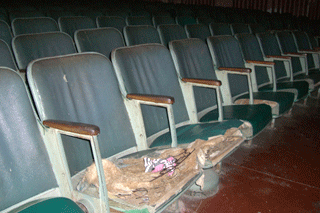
(34, 25)
(193, 60)
(140, 34)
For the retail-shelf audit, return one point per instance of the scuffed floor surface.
(280, 172)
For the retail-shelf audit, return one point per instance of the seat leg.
(272, 124)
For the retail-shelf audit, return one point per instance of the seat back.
(220, 29)
(204, 20)
(56, 14)
(33, 46)
(101, 40)
(138, 20)
(111, 21)
(149, 69)
(197, 31)
(158, 20)
(303, 43)
(270, 46)
(251, 51)
(239, 28)
(5, 33)
(183, 20)
(34, 25)
(257, 28)
(226, 52)
(24, 14)
(170, 32)
(82, 88)
(141, 34)
(70, 24)
(192, 59)
(26, 170)
(287, 45)
(7, 59)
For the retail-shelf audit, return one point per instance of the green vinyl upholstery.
(7, 59)
(101, 40)
(170, 32)
(149, 69)
(251, 51)
(193, 60)
(197, 31)
(226, 52)
(158, 20)
(82, 88)
(220, 29)
(138, 20)
(5, 33)
(184, 20)
(140, 34)
(239, 28)
(54, 205)
(112, 21)
(70, 24)
(34, 25)
(24, 162)
(29, 47)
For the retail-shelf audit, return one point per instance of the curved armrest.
(309, 51)
(317, 48)
(23, 70)
(152, 98)
(235, 69)
(278, 57)
(79, 128)
(260, 62)
(202, 81)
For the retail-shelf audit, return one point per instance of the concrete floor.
(280, 172)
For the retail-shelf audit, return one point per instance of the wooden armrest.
(260, 62)
(23, 70)
(297, 54)
(317, 48)
(309, 50)
(202, 81)
(278, 56)
(235, 69)
(80, 128)
(152, 98)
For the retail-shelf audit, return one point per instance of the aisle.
(280, 172)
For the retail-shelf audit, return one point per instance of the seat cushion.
(258, 115)
(284, 99)
(189, 133)
(314, 76)
(59, 204)
(301, 86)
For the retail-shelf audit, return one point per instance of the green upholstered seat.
(257, 28)
(287, 44)
(26, 170)
(252, 51)
(158, 20)
(83, 88)
(204, 20)
(138, 20)
(54, 205)
(6, 34)
(220, 29)
(226, 52)
(112, 21)
(101, 40)
(170, 32)
(29, 47)
(7, 59)
(70, 24)
(24, 14)
(239, 28)
(140, 34)
(184, 20)
(197, 31)
(189, 133)
(193, 60)
(149, 69)
(34, 25)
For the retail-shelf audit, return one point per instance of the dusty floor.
(280, 172)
